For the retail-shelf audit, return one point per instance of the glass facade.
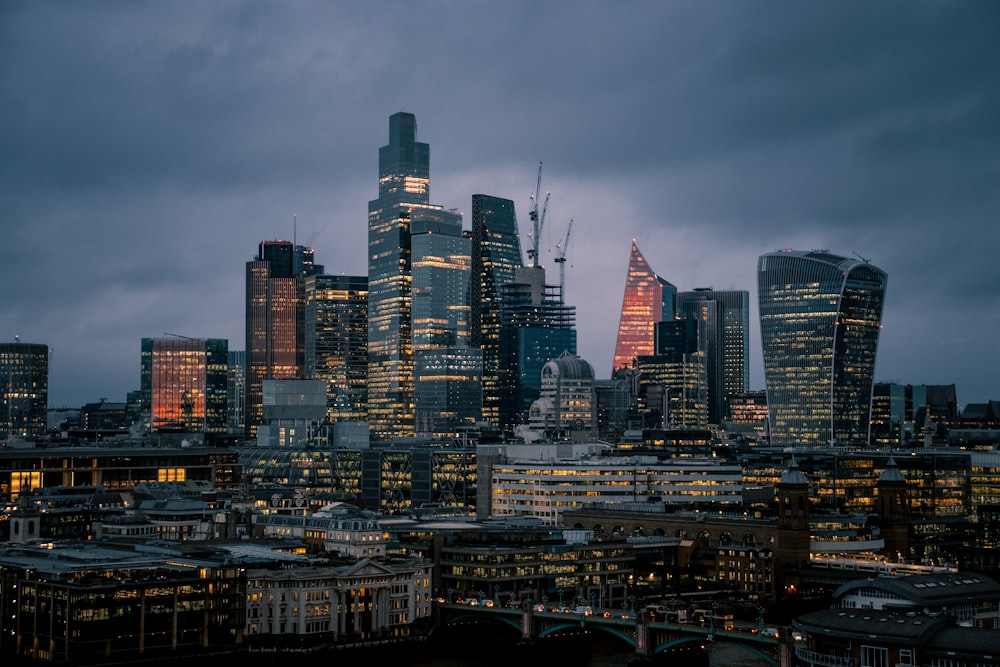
(726, 318)
(404, 193)
(648, 299)
(275, 319)
(337, 343)
(536, 328)
(820, 317)
(184, 384)
(448, 390)
(24, 390)
(496, 255)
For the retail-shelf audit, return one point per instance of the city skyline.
(149, 149)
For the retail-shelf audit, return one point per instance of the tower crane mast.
(537, 220)
(561, 258)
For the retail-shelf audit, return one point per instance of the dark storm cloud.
(149, 147)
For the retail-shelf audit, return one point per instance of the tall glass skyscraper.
(403, 193)
(447, 375)
(184, 384)
(820, 317)
(24, 390)
(337, 343)
(496, 255)
(648, 299)
(725, 317)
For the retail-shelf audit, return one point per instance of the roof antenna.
(863, 259)
(295, 221)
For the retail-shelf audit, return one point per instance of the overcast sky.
(146, 148)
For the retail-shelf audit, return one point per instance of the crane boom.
(537, 221)
(561, 258)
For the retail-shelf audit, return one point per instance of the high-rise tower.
(337, 343)
(725, 318)
(403, 193)
(648, 299)
(820, 317)
(183, 382)
(24, 389)
(496, 255)
(447, 372)
(275, 320)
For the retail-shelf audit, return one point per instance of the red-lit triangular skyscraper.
(648, 299)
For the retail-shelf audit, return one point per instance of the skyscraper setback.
(648, 299)
(820, 317)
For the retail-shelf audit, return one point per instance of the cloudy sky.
(146, 148)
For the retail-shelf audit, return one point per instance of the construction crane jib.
(561, 257)
(537, 220)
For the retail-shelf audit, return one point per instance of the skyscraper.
(537, 326)
(447, 375)
(820, 317)
(24, 390)
(184, 384)
(648, 299)
(404, 192)
(496, 255)
(726, 328)
(275, 319)
(337, 343)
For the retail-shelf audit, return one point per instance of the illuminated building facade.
(337, 343)
(236, 390)
(820, 318)
(275, 319)
(403, 195)
(566, 401)
(184, 384)
(537, 326)
(24, 390)
(648, 300)
(546, 488)
(673, 382)
(725, 326)
(447, 374)
(496, 255)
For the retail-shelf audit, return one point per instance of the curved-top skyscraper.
(820, 317)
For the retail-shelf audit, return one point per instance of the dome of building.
(569, 366)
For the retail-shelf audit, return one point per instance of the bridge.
(648, 637)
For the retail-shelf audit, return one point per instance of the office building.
(24, 390)
(648, 299)
(496, 255)
(293, 410)
(537, 326)
(820, 318)
(567, 397)
(236, 391)
(403, 195)
(725, 320)
(275, 319)
(184, 384)
(673, 382)
(447, 373)
(337, 343)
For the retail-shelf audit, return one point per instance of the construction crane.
(561, 258)
(537, 221)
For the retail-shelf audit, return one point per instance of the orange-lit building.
(184, 383)
(648, 299)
